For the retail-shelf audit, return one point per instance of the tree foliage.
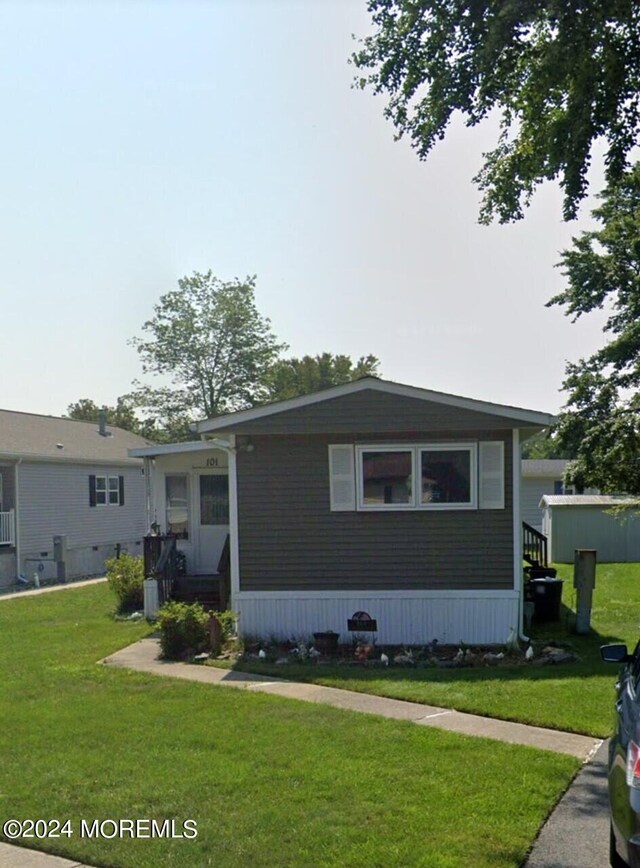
(121, 416)
(563, 73)
(208, 338)
(601, 418)
(290, 378)
(545, 446)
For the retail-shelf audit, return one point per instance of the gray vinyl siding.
(290, 540)
(372, 411)
(54, 499)
(531, 491)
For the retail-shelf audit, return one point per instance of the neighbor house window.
(177, 504)
(101, 490)
(425, 476)
(106, 490)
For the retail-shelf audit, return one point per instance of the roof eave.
(524, 418)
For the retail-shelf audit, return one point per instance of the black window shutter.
(92, 490)
(121, 489)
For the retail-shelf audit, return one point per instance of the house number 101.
(212, 462)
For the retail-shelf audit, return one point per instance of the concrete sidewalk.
(19, 857)
(143, 657)
(576, 835)
(35, 592)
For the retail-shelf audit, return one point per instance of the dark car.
(624, 759)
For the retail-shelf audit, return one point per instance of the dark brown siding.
(290, 540)
(374, 412)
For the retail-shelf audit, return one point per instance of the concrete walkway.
(19, 857)
(35, 592)
(143, 657)
(576, 835)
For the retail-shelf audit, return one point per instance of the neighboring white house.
(67, 479)
(585, 521)
(540, 477)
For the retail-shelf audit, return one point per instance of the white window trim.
(383, 507)
(416, 450)
(107, 490)
(472, 449)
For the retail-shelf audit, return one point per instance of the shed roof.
(29, 435)
(516, 416)
(602, 500)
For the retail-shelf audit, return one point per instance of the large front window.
(425, 476)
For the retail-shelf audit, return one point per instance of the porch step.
(209, 591)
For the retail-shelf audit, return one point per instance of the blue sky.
(145, 140)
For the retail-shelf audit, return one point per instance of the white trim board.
(383, 595)
(533, 417)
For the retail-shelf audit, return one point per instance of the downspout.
(517, 533)
(148, 492)
(17, 510)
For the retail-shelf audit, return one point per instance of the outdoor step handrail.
(534, 546)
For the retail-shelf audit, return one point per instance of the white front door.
(212, 519)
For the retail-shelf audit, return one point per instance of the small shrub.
(183, 629)
(126, 577)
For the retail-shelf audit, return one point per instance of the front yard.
(576, 697)
(268, 781)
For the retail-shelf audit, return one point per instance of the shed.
(592, 521)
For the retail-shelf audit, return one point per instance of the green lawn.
(269, 781)
(577, 697)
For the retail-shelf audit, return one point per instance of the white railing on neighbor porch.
(8, 528)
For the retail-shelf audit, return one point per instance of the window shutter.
(342, 481)
(491, 475)
(92, 490)
(121, 489)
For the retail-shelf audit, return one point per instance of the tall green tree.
(121, 416)
(209, 340)
(562, 73)
(289, 378)
(601, 421)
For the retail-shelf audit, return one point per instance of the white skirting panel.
(412, 618)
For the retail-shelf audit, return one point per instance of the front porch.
(163, 562)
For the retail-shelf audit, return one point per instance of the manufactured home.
(373, 496)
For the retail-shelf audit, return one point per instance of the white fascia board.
(179, 448)
(27, 457)
(531, 417)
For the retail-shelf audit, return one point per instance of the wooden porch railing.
(534, 546)
(160, 562)
(8, 528)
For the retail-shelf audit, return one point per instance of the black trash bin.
(547, 596)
